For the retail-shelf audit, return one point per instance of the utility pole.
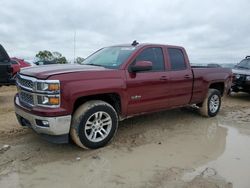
(74, 46)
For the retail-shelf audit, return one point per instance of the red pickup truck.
(86, 102)
(17, 64)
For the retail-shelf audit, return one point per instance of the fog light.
(42, 123)
(45, 123)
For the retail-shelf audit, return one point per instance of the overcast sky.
(211, 31)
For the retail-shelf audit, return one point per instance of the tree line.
(57, 57)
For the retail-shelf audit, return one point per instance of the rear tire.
(94, 124)
(212, 103)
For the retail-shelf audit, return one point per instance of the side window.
(155, 55)
(177, 59)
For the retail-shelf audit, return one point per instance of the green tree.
(59, 58)
(62, 60)
(45, 55)
(51, 56)
(79, 60)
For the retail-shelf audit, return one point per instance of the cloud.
(211, 31)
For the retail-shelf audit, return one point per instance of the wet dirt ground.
(176, 148)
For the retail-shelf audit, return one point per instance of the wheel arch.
(114, 99)
(220, 86)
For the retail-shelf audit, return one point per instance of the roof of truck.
(140, 45)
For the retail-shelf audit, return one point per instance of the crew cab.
(241, 78)
(86, 102)
(5, 68)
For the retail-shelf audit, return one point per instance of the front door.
(147, 91)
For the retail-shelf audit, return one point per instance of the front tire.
(212, 103)
(94, 124)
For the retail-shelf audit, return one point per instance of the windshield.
(244, 64)
(110, 57)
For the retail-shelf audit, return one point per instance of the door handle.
(163, 78)
(187, 76)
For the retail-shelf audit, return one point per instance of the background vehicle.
(228, 65)
(241, 79)
(87, 101)
(17, 65)
(223, 65)
(45, 62)
(208, 65)
(5, 68)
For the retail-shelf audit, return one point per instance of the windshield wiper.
(94, 64)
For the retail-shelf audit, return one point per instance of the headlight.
(237, 76)
(49, 86)
(247, 78)
(48, 100)
(49, 93)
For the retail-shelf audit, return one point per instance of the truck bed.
(204, 76)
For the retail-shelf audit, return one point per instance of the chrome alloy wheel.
(214, 103)
(98, 126)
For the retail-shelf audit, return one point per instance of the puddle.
(155, 151)
(10, 180)
(234, 163)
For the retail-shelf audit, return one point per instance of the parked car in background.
(210, 65)
(215, 65)
(85, 102)
(5, 68)
(241, 78)
(223, 65)
(17, 64)
(227, 65)
(45, 62)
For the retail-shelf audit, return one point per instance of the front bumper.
(241, 86)
(55, 130)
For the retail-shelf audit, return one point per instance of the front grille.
(25, 83)
(26, 98)
(28, 93)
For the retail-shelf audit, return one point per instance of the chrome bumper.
(56, 125)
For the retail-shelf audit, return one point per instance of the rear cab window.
(177, 59)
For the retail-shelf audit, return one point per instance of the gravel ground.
(176, 148)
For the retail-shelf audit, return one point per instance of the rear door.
(5, 67)
(181, 77)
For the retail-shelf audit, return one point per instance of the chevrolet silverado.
(85, 102)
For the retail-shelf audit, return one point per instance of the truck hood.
(45, 71)
(241, 71)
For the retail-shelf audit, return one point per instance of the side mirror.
(141, 66)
